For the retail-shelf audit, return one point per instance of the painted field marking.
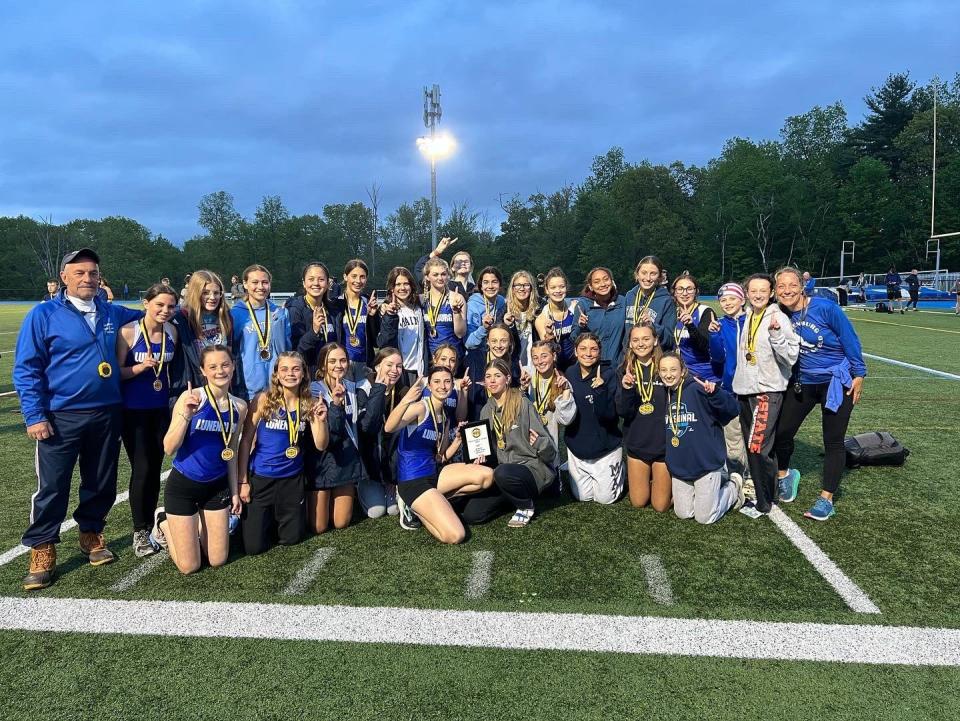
(8, 394)
(131, 579)
(904, 325)
(481, 573)
(658, 583)
(911, 366)
(67, 525)
(854, 643)
(850, 592)
(308, 574)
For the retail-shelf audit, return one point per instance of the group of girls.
(285, 416)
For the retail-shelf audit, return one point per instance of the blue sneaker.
(821, 510)
(789, 485)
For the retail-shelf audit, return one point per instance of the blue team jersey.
(273, 439)
(355, 340)
(198, 457)
(139, 392)
(418, 449)
(443, 331)
(697, 361)
(562, 335)
(827, 340)
(449, 405)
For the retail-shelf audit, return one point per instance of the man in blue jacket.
(66, 374)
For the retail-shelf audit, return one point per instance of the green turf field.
(894, 536)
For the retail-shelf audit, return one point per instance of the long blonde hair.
(629, 358)
(430, 264)
(193, 301)
(513, 306)
(553, 391)
(511, 396)
(274, 401)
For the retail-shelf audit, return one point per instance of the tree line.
(758, 205)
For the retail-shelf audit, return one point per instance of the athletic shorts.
(893, 293)
(185, 497)
(410, 491)
(645, 457)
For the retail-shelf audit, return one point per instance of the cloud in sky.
(141, 109)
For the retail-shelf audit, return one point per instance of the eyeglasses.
(685, 290)
(522, 286)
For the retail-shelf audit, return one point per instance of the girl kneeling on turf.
(549, 390)
(642, 403)
(201, 490)
(336, 471)
(525, 451)
(271, 455)
(593, 438)
(422, 486)
(696, 453)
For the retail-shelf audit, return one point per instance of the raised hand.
(509, 319)
(524, 379)
(319, 411)
(456, 303)
(774, 323)
(464, 383)
(598, 380)
(372, 306)
(708, 386)
(338, 393)
(415, 391)
(584, 320)
(685, 317)
(628, 381)
(191, 401)
(445, 243)
(487, 320)
(714, 326)
(319, 319)
(562, 383)
(533, 437)
(389, 308)
(150, 362)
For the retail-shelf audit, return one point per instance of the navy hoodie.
(702, 417)
(595, 431)
(642, 435)
(662, 312)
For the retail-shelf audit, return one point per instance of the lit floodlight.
(438, 146)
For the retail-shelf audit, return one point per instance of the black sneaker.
(141, 544)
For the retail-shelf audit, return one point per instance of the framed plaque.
(476, 440)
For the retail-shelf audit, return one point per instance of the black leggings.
(514, 485)
(796, 407)
(142, 433)
(275, 503)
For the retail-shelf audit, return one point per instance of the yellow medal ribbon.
(644, 387)
(433, 311)
(541, 398)
(263, 334)
(313, 308)
(225, 433)
(439, 426)
(353, 321)
(675, 422)
(558, 324)
(498, 428)
(756, 320)
(293, 432)
(157, 384)
(637, 310)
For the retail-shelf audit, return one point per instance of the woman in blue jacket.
(602, 311)
(829, 373)
(648, 301)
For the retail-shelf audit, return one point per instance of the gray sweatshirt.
(776, 353)
(538, 457)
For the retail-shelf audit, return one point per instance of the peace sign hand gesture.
(445, 243)
(415, 391)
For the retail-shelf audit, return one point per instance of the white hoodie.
(776, 352)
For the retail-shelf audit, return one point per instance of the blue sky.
(139, 109)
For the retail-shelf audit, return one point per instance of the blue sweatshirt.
(476, 309)
(662, 312)
(607, 322)
(827, 340)
(55, 365)
(723, 348)
(702, 449)
(253, 373)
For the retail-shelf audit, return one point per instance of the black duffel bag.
(878, 448)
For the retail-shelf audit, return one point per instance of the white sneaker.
(520, 518)
(393, 508)
(157, 539)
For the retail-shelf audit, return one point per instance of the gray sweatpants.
(705, 499)
(736, 450)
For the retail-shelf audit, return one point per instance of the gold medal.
(646, 409)
(752, 360)
(433, 311)
(264, 354)
(158, 385)
(675, 422)
(644, 387)
(293, 432)
(263, 334)
(355, 341)
(292, 452)
(352, 319)
(225, 433)
(227, 454)
(674, 441)
(104, 370)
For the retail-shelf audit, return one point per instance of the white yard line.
(131, 579)
(911, 366)
(308, 574)
(67, 525)
(658, 582)
(555, 631)
(478, 582)
(850, 592)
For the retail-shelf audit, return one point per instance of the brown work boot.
(92, 544)
(43, 562)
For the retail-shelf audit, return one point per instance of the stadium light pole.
(433, 146)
